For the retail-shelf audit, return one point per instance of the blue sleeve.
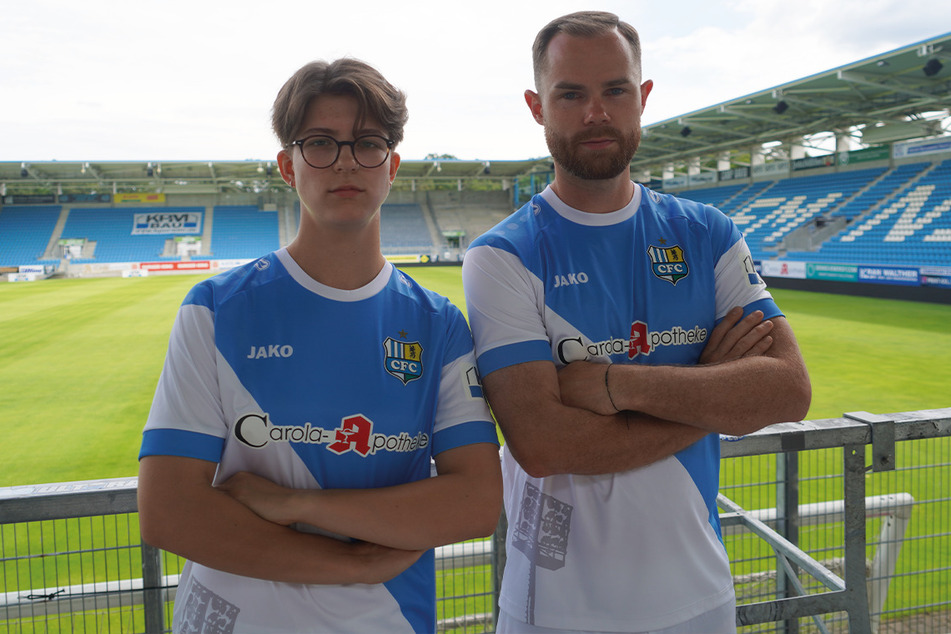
(178, 442)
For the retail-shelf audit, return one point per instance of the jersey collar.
(375, 286)
(592, 220)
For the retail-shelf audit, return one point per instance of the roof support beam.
(875, 81)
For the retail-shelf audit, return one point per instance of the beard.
(586, 165)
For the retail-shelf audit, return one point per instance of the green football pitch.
(80, 359)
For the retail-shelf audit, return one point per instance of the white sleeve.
(738, 283)
(188, 396)
(506, 304)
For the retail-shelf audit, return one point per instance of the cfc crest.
(668, 263)
(403, 359)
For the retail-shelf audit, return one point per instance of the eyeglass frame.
(340, 144)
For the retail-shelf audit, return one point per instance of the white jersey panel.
(190, 373)
(499, 287)
(607, 532)
(738, 283)
(276, 608)
(508, 313)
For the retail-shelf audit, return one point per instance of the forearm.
(597, 445)
(205, 525)
(717, 398)
(547, 437)
(462, 502)
(733, 397)
(414, 516)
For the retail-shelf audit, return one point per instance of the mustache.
(601, 132)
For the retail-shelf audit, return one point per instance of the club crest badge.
(403, 359)
(668, 263)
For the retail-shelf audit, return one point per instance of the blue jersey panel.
(406, 590)
(176, 442)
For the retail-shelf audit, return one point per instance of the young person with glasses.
(287, 455)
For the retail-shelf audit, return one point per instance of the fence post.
(854, 496)
(787, 525)
(153, 594)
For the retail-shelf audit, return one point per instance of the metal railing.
(861, 590)
(71, 552)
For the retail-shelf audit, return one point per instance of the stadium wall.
(931, 294)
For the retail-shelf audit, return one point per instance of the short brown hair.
(581, 24)
(376, 97)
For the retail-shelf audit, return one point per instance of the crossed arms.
(241, 527)
(751, 374)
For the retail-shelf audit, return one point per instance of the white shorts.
(721, 620)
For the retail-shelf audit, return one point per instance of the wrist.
(298, 505)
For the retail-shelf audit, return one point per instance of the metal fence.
(818, 540)
(899, 503)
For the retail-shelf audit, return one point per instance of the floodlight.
(932, 67)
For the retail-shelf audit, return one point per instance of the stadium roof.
(209, 177)
(889, 97)
(905, 93)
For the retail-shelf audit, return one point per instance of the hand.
(734, 338)
(271, 501)
(582, 386)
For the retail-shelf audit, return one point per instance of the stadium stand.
(880, 190)
(469, 220)
(25, 232)
(403, 229)
(782, 206)
(878, 216)
(110, 230)
(882, 215)
(910, 226)
(242, 231)
(719, 197)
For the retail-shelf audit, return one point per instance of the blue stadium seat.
(403, 229)
(894, 216)
(243, 232)
(112, 230)
(25, 232)
(903, 216)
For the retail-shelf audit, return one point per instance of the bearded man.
(618, 332)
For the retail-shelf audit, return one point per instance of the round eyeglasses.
(321, 151)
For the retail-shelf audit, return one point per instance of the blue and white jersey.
(638, 550)
(269, 371)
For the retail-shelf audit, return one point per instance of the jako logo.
(270, 351)
(355, 434)
(570, 279)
